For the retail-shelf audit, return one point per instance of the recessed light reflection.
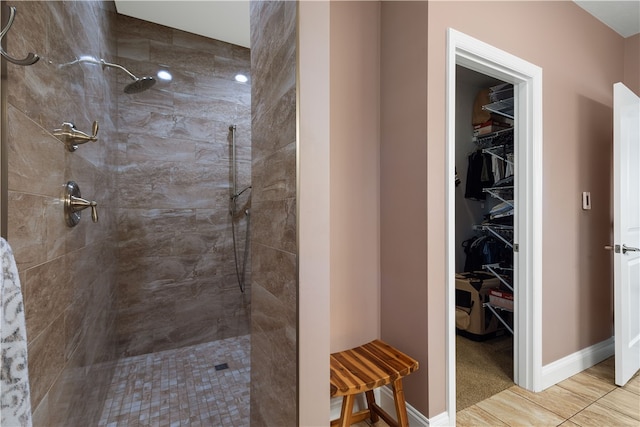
(164, 75)
(241, 78)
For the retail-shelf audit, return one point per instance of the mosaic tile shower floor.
(182, 387)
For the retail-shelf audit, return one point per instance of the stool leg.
(401, 406)
(347, 410)
(371, 400)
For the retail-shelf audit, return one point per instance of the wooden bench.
(363, 369)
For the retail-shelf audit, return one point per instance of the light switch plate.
(586, 200)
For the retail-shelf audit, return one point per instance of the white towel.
(15, 400)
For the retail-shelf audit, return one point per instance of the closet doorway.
(484, 221)
(526, 78)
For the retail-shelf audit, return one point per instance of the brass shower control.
(72, 137)
(74, 203)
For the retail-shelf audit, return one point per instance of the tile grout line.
(551, 410)
(531, 401)
(492, 415)
(615, 409)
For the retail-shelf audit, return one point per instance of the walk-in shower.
(153, 283)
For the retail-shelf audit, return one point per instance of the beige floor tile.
(598, 415)
(182, 387)
(513, 409)
(569, 424)
(604, 370)
(587, 385)
(556, 399)
(473, 416)
(623, 401)
(633, 385)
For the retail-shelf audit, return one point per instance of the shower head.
(139, 85)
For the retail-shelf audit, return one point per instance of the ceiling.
(228, 20)
(622, 16)
(225, 20)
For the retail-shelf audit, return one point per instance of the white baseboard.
(441, 420)
(552, 374)
(386, 402)
(384, 397)
(577, 362)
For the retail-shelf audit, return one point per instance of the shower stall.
(159, 271)
(177, 282)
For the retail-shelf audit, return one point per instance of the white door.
(626, 231)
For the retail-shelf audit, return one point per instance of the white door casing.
(626, 231)
(527, 80)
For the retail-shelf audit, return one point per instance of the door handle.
(626, 249)
(617, 248)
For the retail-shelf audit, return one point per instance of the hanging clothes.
(479, 175)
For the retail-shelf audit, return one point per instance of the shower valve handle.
(74, 203)
(72, 137)
(78, 204)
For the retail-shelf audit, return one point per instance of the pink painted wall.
(338, 169)
(407, 307)
(354, 202)
(581, 58)
(403, 193)
(313, 212)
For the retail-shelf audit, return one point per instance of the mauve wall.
(177, 281)
(403, 193)
(314, 151)
(274, 291)
(339, 241)
(354, 173)
(68, 274)
(581, 58)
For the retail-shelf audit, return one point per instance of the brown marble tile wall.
(273, 233)
(68, 275)
(177, 282)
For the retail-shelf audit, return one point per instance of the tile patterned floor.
(182, 387)
(587, 399)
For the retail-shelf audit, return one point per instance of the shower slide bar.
(233, 200)
(234, 185)
(30, 59)
(234, 194)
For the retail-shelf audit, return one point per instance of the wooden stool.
(364, 368)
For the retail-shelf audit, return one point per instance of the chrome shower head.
(139, 85)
